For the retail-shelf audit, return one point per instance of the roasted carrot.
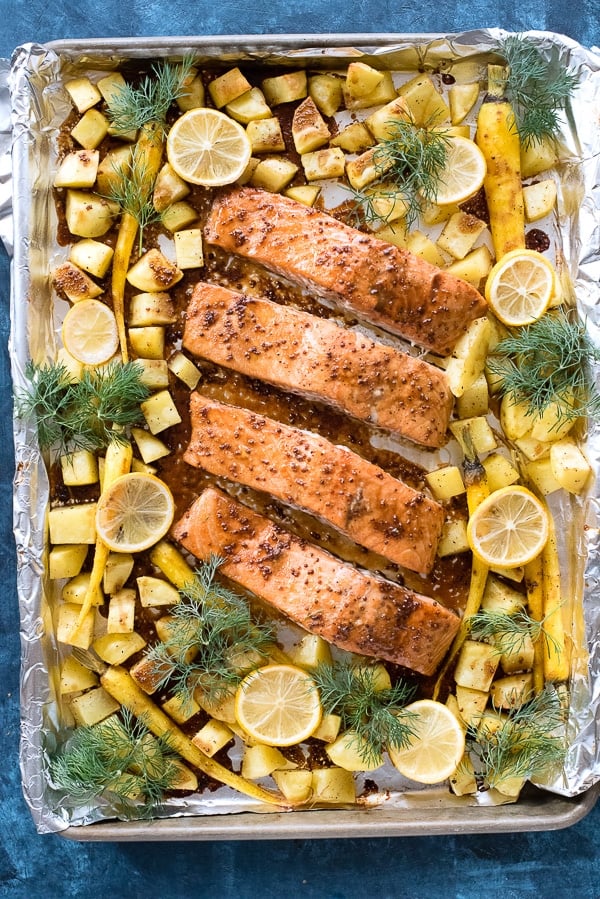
(556, 659)
(534, 581)
(498, 139)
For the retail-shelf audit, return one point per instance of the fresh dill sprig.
(211, 634)
(118, 757)
(132, 190)
(413, 158)
(130, 107)
(509, 633)
(376, 716)
(536, 91)
(529, 740)
(548, 362)
(88, 413)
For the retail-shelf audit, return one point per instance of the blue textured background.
(562, 863)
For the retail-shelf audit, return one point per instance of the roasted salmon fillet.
(353, 610)
(306, 471)
(381, 283)
(318, 358)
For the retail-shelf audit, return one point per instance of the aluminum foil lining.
(33, 105)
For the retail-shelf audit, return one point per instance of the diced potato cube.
(362, 79)
(500, 471)
(248, 172)
(322, 164)
(515, 417)
(186, 778)
(426, 104)
(112, 168)
(551, 425)
(445, 482)
(460, 233)
(153, 272)
(169, 188)
(260, 761)
(432, 214)
(67, 629)
(147, 342)
(184, 369)
(326, 90)
(121, 612)
(178, 216)
(155, 592)
(83, 93)
(76, 588)
(422, 245)
(265, 135)
(73, 524)
(309, 129)
(471, 704)
(395, 233)
(381, 122)
(539, 199)
(519, 657)
(111, 85)
(388, 205)
(328, 729)
(541, 473)
(79, 468)
(334, 785)
(222, 709)
(92, 256)
(116, 571)
(151, 309)
(285, 88)
(160, 412)
(75, 677)
(87, 214)
(304, 193)
(249, 107)
(91, 129)
(212, 737)
(512, 691)
(365, 169)
(141, 467)
(533, 449)
(383, 93)
(73, 366)
(481, 435)
(475, 266)
(462, 99)
(354, 138)
(476, 665)
(537, 156)
(148, 675)
(115, 648)
(274, 174)
(296, 785)
(453, 538)
(569, 465)
(469, 356)
(181, 708)
(154, 373)
(463, 782)
(475, 400)
(193, 95)
(348, 751)
(228, 87)
(93, 706)
(311, 652)
(149, 446)
(188, 248)
(78, 169)
(172, 563)
(75, 284)
(66, 561)
(500, 597)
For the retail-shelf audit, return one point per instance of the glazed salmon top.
(381, 283)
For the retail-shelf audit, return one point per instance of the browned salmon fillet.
(356, 611)
(381, 283)
(308, 472)
(317, 358)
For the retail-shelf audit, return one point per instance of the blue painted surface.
(562, 863)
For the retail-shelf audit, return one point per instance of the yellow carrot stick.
(172, 564)
(556, 661)
(118, 682)
(498, 139)
(117, 462)
(147, 157)
(534, 582)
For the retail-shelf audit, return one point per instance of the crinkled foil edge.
(31, 110)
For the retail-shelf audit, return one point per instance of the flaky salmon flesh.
(305, 471)
(317, 358)
(353, 610)
(381, 283)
